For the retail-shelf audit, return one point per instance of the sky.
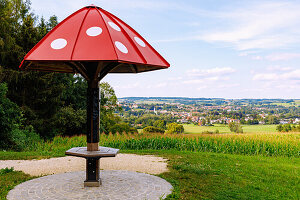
(217, 48)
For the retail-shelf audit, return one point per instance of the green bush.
(207, 132)
(160, 124)
(152, 129)
(69, 122)
(122, 128)
(6, 170)
(10, 119)
(287, 128)
(175, 128)
(24, 139)
(235, 127)
(211, 132)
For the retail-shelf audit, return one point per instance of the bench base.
(92, 183)
(92, 162)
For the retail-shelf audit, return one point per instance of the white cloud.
(210, 72)
(129, 86)
(158, 85)
(202, 87)
(279, 68)
(292, 75)
(262, 26)
(222, 86)
(266, 77)
(195, 81)
(282, 56)
(286, 76)
(174, 78)
(207, 78)
(256, 57)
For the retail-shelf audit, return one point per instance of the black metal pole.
(93, 70)
(93, 124)
(93, 115)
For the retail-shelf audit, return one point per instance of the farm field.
(191, 128)
(295, 103)
(202, 166)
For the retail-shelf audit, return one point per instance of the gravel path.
(130, 162)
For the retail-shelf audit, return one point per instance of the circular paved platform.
(115, 185)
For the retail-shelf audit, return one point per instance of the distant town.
(207, 111)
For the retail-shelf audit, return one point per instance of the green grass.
(9, 179)
(191, 128)
(259, 128)
(206, 175)
(202, 175)
(8, 155)
(295, 103)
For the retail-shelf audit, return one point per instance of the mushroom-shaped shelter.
(93, 43)
(93, 35)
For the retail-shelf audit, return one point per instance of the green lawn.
(191, 128)
(8, 155)
(205, 175)
(9, 179)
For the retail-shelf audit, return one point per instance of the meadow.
(295, 103)
(191, 128)
(202, 166)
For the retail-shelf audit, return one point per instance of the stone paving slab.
(116, 185)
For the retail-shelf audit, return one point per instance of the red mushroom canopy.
(93, 35)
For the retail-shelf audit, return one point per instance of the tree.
(12, 135)
(122, 128)
(37, 94)
(10, 118)
(160, 124)
(152, 129)
(235, 127)
(69, 122)
(271, 120)
(279, 128)
(108, 107)
(175, 128)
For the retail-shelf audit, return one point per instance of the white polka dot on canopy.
(94, 31)
(121, 47)
(59, 43)
(139, 41)
(114, 26)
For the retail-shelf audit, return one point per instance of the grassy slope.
(204, 175)
(224, 176)
(190, 128)
(9, 180)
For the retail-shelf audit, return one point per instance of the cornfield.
(277, 144)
